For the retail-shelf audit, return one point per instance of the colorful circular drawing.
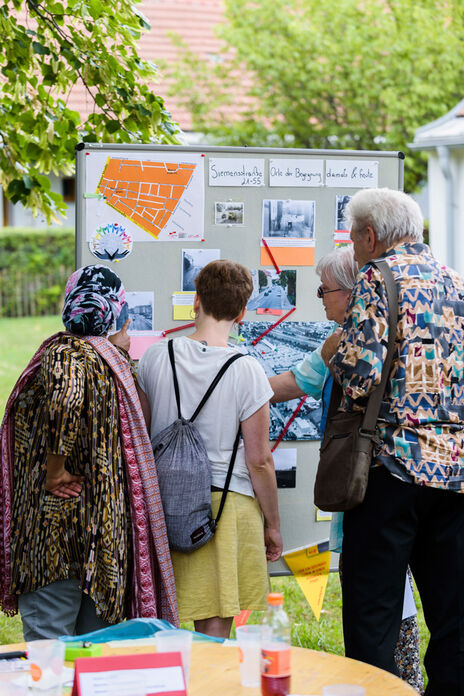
(111, 242)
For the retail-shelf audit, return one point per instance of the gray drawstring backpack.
(184, 473)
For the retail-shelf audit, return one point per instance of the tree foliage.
(351, 74)
(48, 47)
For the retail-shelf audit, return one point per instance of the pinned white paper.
(236, 172)
(296, 172)
(182, 298)
(352, 173)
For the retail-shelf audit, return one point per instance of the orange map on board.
(145, 192)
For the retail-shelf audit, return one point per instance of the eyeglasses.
(320, 292)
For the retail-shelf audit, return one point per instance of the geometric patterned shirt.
(421, 420)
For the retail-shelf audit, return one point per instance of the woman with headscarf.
(83, 540)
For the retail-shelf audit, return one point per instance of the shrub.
(34, 267)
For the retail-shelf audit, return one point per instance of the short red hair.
(224, 288)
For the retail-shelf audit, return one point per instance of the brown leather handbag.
(350, 438)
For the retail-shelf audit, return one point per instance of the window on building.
(69, 189)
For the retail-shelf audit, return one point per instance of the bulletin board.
(157, 214)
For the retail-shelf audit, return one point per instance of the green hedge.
(34, 267)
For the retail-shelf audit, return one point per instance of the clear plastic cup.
(14, 684)
(46, 661)
(176, 640)
(249, 646)
(343, 690)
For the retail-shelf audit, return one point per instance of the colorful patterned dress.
(71, 408)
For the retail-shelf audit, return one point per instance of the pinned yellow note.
(182, 305)
(311, 567)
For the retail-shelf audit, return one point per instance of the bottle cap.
(275, 598)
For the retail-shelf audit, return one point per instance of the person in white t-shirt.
(228, 574)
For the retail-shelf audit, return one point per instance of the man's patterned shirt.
(422, 413)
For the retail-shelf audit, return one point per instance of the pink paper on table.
(139, 344)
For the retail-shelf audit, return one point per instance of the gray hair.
(340, 266)
(393, 215)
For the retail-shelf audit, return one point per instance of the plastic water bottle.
(275, 648)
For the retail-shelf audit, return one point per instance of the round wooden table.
(214, 671)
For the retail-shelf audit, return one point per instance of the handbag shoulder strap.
(375, 399)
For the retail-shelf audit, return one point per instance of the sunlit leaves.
(339, 73)
(47, 47)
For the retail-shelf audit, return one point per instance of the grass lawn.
(19, 339)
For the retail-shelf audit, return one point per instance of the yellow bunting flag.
(311, 567)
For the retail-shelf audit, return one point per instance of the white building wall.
(437, 208)
(422, 199)
(452, 254)
(458, 161)
(18, 216)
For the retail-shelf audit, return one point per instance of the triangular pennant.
(311, 568)
(242, 618)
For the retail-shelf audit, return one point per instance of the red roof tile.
(193, 20)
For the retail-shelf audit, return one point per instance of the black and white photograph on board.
(279, 351)
(340, 205)
(288, 219)
(193, 260)
(272, 290)
(285, 467)
(228, 213)
(139, 309)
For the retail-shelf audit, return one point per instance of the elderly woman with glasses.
(338, 271)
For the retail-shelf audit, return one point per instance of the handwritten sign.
(296, 172)
(352, 173)
(236, 172)
(149, 674)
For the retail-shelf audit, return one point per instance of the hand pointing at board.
(121, 339)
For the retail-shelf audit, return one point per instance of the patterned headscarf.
(94, 297)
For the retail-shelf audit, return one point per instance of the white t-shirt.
(243, 389)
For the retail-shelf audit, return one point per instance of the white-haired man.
(413, 512)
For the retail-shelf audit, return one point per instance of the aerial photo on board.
(278, 351)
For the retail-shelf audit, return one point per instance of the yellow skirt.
(228, 574)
